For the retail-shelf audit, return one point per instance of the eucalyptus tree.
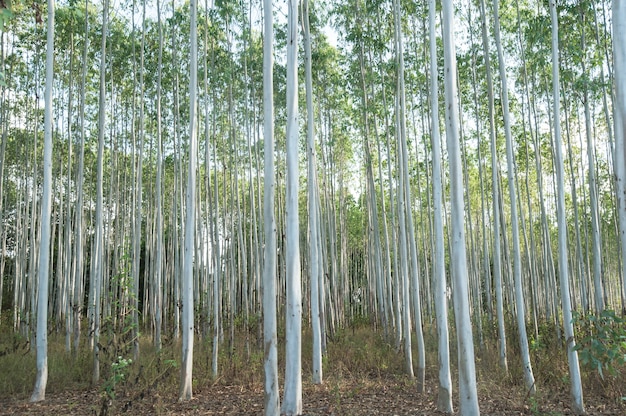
(77, 296)
(468, 397)
(39, 392)
(63, 287)
(444, 398)
(292, 404)
(572, 354)
(248, 237)
(98, 251)
(138, 183)
(177, 199)
(4, 128)
(217, 262)
(495, 179)
(407, 234)
(332, 110)
(270, 337)
(596, 241)
(391, 244)
(373, 217)
(619, 118)
(187, 296)
(32, 237)
(529, 73)
(579, 269)
(315, 263)
(212, 197)
(158, 271)
(3, 143)
(372, 205)
(517, 258)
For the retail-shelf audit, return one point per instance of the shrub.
(602, 342)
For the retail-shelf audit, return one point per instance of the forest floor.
(356, 397)
(363, 376)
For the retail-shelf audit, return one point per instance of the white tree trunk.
(138, 193)
(402, 200)
(292, 404)
(572, 355)
(158, 262)
(315, 265)
(495, 184)
(619, 119)
(412, 250)
(39, 392)
(98, 256)
(177, 194)
(190, 218)
(444, 398)
(270, 337)
(596, 231)
(520, 309)
(77, 296)
(468, 397)
(69, 281)
(158, 249)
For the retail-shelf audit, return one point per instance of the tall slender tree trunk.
(292, 404)
(467, 371)
(77, 296)
(495, 189)
(217, 279)
(136, 272)
(403, 275)
(158, 263)
(619, 62)
(444, 398)
(517, 258)
(580, 266)
(270, 337)
(69, 281)
(177, 199)
(596, 245)
(572, 354)
(4, 128)
(413, 267)
(39, 392)
(98, 260)
(190, 218)
(315, 265)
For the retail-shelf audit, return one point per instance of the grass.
(357, 358)
(18, 366)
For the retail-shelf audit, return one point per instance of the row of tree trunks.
(391, 288)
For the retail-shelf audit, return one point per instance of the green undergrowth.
(18, 366)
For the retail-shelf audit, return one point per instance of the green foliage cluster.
(602, 342)
(119, 371)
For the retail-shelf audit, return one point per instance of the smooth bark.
(572, 355)
(619, 59)
(520, 308)
(292, 404)
(39, 392)
(444, 397)
(187, 297)
(315, 264)
(270, 337)
(468, 397)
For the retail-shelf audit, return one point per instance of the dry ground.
(363, 376)
(385, 396)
